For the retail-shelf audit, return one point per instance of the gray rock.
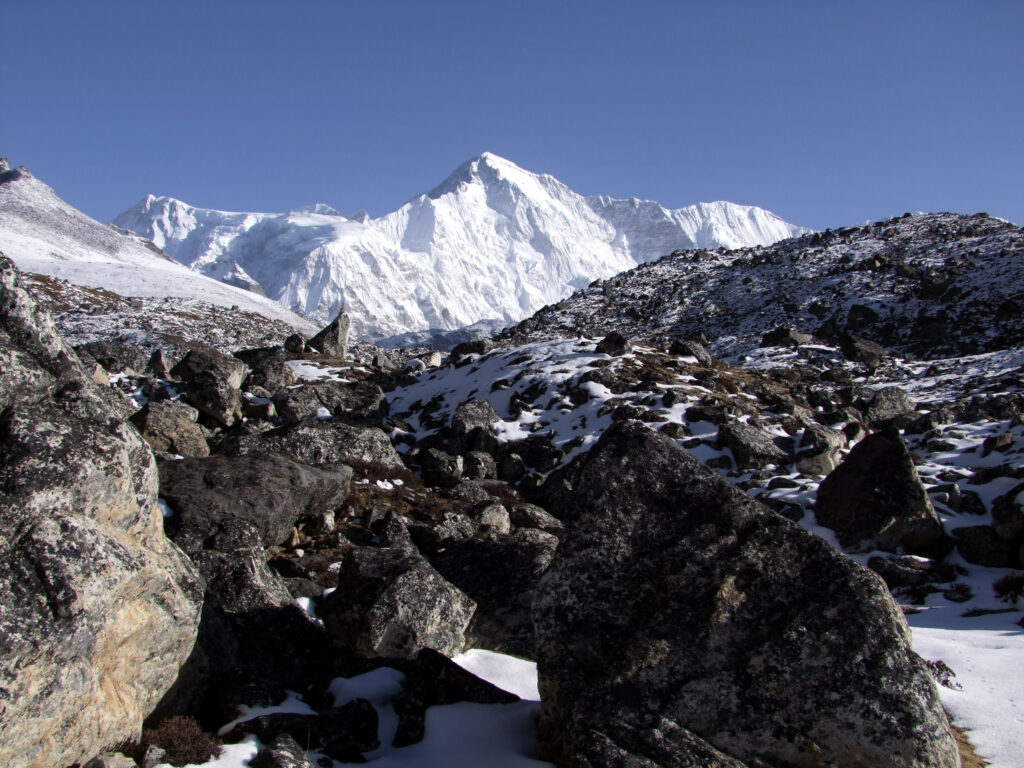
(359, 402)
(214, 396)
(1008, 514)
(887, 404)
(532, 516)
(332, 340)
(819, 450)
(201, 358)
(272, 375)
(691, 348)
(432, 536)
(99, 608)
(326, 442)
(283, 752)
(472, 414)
(169, 426)
(751, 447)
(689, 625)
(501, 576)
(981, 545)
(272, 491)
(392, 603)
(875, 498)
(614, 344)
(861, 350)
(480, 466)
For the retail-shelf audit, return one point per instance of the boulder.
(272, 491)
(390, 602)
(472, 414)
(325, 442)
(887, 404)
(99, 609)
(614, 344)
(860, 350)
(819, 450)
(333, 339)
(981, 545)
(169, 426)
(1008, 514)
(691, 348)
(785, 337)
(501, 576)
(875, 498)
(358, 402)
(683, 623)
(751, 447)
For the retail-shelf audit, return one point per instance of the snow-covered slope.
(492, 243)
(44, 235)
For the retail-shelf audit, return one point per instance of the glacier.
(490, 245)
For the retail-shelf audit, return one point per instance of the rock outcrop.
(683, 623)
(100, 610)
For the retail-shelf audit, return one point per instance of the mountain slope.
(67, 251)
(923, 285)
(493, 243)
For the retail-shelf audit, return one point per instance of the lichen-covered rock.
(325, 442)
(390, 602)
(99, 608)
(272, 491)
(169, 426)
(683, 623)
(876, 498)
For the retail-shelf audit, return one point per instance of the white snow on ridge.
(43, 234)
(493, 242)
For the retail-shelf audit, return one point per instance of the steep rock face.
(677, 605)
(99, 608)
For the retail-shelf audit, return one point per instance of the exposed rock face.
(332, 340)
(169, 426)
(270, 490)
(875, 495)
(393, 603)
(99, 608)
(682, 623)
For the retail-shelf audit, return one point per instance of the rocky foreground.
(632, 517)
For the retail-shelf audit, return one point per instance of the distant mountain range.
(490, 246)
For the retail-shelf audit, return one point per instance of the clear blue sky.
(828, 113)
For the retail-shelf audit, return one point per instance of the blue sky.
(827, 113)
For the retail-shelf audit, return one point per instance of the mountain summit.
(492, 243)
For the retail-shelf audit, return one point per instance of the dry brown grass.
(968, 757)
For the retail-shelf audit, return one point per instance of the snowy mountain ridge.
(493, 242)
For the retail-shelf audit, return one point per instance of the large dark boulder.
(500, 574)
(271, 491)
(98, 610)
(875, 498)
(683, 623)
(390, 602)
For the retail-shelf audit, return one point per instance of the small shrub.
(942, 674)
(183, 740)
(1010, 588)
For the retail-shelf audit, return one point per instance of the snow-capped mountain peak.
(493, 243)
